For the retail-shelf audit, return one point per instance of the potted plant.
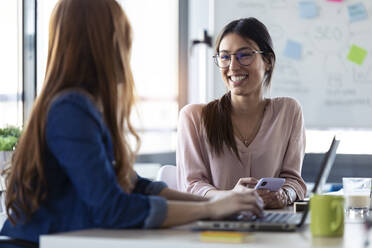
(8, 139)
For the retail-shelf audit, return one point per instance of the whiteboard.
(333, 91)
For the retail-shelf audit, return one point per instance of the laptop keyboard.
(278, 218)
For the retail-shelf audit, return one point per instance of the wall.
(323, 55)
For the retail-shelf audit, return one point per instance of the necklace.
(247, 140)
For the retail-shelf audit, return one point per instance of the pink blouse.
(277, 151)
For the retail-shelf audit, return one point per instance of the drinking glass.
(357, 193)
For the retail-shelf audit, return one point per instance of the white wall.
(200, 59)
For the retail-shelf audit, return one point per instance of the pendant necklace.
(247, 140)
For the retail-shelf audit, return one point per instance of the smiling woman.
(230, 143)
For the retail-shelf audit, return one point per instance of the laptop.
(274, 221)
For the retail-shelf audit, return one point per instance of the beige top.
(277, 151)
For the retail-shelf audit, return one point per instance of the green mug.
(327, 215)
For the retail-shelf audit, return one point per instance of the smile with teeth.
(238, 78)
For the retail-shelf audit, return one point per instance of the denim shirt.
(83, 191)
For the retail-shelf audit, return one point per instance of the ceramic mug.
(327, 215)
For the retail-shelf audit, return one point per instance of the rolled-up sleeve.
(158, 212)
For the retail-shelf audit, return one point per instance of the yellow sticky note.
(225, 236)
(357, 54)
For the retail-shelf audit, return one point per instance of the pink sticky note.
(335, 1)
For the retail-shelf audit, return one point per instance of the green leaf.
(7, 143)
(9, 138)
(10, 131)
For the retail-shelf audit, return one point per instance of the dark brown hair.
(216, 115)
(89, 49)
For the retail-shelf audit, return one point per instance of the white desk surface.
(354, 237)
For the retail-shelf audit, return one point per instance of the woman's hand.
(234, 202)
(222, 205)
(244, 184)
(273, 199)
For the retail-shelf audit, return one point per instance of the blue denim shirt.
(83, 191)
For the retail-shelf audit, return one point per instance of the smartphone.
(270, 183)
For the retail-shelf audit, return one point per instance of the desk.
(182, 237)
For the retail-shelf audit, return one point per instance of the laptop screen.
(323, 173)
(325, 168)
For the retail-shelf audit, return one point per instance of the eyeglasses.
(244, 57)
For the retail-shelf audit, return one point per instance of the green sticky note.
(357, 54)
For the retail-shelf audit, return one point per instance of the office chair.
(167, 174)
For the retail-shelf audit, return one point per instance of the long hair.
(89, 49)
(216, 115)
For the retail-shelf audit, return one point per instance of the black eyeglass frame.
(215, 57)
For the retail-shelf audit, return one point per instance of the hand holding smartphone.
(270, 183)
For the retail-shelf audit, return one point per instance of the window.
(11, 89)
(154, 64)
(44, 10)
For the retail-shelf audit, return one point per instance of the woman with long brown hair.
(229, 143)
(72, 168)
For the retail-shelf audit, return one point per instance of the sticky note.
(357, 12)
(307, 9)
(225, 236)
(357, 54)
(293, 50)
